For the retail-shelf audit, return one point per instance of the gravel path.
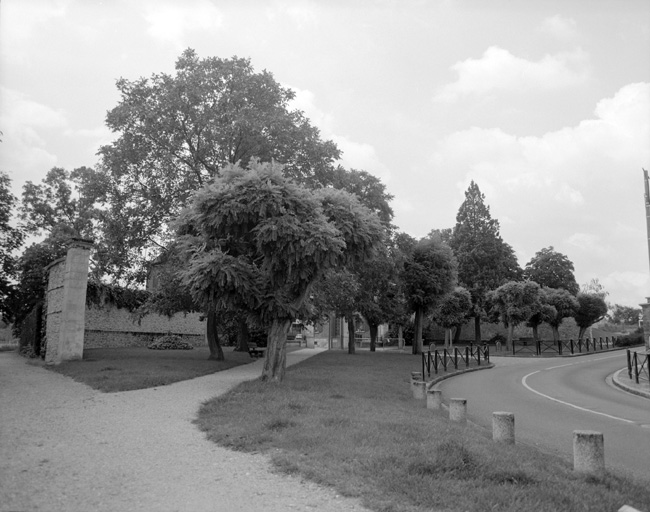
(66, 447)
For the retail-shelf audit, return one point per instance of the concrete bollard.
(458, 410)
(627, 508)
(419, 389)
(503, 427)
(588, 451)
(434, 399)
(416, 376)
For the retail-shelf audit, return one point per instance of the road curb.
(435, 381)
(628, 387)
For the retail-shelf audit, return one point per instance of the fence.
(638, 366)
(436, 359)
(561, 347)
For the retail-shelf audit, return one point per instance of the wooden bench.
(256, 351)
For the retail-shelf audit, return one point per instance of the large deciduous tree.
(515, 302)
(429, 274)
(552, 269)
(592, 309)
(11, 238)
(565, 305)
(485, 261)
(175, 132)
(257, 242)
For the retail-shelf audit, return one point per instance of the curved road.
(552, 397)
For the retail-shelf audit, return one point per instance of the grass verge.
(125, 369)
(350, 422)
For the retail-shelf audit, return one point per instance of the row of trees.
(251, 220)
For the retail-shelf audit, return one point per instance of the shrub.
(497, 338)
(636, 338)
(169, 342)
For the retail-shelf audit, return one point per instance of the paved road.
(552, 397)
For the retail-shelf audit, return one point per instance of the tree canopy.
(515, 302)
(452, 311)
(485, 261)
(592, 308)
(552, 269)
(11, 238)
(255, 241)
(429, 274)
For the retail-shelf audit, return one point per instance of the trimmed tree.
(451, 312)
(592, 308)
(515, 302)
(565, 305)
(257, 242)
(429, 274)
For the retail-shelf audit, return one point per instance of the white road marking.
(525, 384)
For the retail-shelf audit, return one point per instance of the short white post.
(458, 410)
(416, 376)
(434, 399)
(588, 451)
(503, 427)
(419, 389)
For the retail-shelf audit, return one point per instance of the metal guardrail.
(443, 359)
(561, 347)
(638, 366)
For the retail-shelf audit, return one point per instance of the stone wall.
(54, 308)
(109, 326)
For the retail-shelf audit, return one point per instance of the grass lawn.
(350, 422)
(124, 369)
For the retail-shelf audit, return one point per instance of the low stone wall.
(119, 339)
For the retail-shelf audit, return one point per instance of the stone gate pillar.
(66, 306)
(646, 323)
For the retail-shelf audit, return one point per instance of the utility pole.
(646, 306)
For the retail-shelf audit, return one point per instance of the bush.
(497, 338)
(636, 338)
(169, 342)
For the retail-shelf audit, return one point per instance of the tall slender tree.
(485, 261)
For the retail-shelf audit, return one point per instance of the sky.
(544, 104)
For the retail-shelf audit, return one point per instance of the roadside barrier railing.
(638, 366)
(562, 347)
(434, 360)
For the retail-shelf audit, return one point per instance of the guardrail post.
(419, 388)
(629, 363)
(503, 427)
(588, 452)
(458, 410)
(434, 399)
(467, 357)
(635, 363)
(571, 345)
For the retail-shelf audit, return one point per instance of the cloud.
(303, 15)
(564, 29)
(170, 21)
(499, 70)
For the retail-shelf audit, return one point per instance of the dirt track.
(66, 447)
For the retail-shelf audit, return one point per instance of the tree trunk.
(341, 335)
(556, 333)
(243, 335)
(535, 334)
(417, 341)
(581, 332)
(216, 352)
(477, 328)
(459, 329)
(351, 342)
(400, 337)
(511, 333)
(374, 328)
(275, 362)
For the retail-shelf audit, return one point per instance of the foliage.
(257, 242)
(565, 305)
(169, 342)
(452, 311)
(552, 269)
(429, 274)
(485, 261)
(122, 297)
(630, 340)
(515, 302)
(368, 188)
(175, 132)
(624, 315)
(592, 309)
(11, 238)
(544, 313)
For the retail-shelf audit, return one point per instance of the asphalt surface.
(66, 447)
(552, 397)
